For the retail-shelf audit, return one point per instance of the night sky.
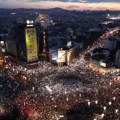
(67, 4)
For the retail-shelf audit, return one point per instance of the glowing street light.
(67, 99)
(104, 107)
(96, 102)
(110, 83)
(108, 15)
(110, 103)
(114, 98)
(33, 88)
(25, 69)
(89, 103)
(116, 110)
(102, 115)
(65, 92)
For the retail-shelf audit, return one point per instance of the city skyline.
(66, 4)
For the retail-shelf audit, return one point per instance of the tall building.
(110, 44)
(118, 45)
(43, 45)
(24, 44)
(3, 38)
(117, 60)
(11, 42)
(44, 20)
(31, 44)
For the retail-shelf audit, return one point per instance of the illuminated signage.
(29, 23)
(31, 44)
(54, 55)
(102, 64)
(61, 56)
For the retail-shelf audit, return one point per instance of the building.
(110, 44)
(44, 45)
(58, 56)
(70, 55)
(117, 59)
(28, 41)
(53, 55)
(23, 42)
(118, 45)
(63, 55)
(3, 38)
(44, 20)
(31, 44)
(11, 47)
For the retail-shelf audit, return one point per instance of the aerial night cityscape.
(59, 59)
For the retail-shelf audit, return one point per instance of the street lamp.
(110, 103)
(104, 107)
(96, 102)
(89, 103)
(116, 110)
(102, 115)
(114, 98)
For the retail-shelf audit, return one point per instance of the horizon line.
(64, 9)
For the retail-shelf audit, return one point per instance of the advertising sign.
(102, 64)
(54, 55)
(61, 56)
(31, 44)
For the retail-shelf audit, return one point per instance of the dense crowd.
(47, 92)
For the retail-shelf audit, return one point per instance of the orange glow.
(80, 6)
(65, 5)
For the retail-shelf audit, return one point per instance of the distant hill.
(23, 10)
(57, 9)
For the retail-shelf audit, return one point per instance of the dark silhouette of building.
(23, 42)
(43, 44)
(117, 59)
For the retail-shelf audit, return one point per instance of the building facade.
(117, 59)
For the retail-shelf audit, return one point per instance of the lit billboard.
(70, 55)
(102, 64)
(31, 44)
(62, 56)
(54, 55)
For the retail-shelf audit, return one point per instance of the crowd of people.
(47, 92)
